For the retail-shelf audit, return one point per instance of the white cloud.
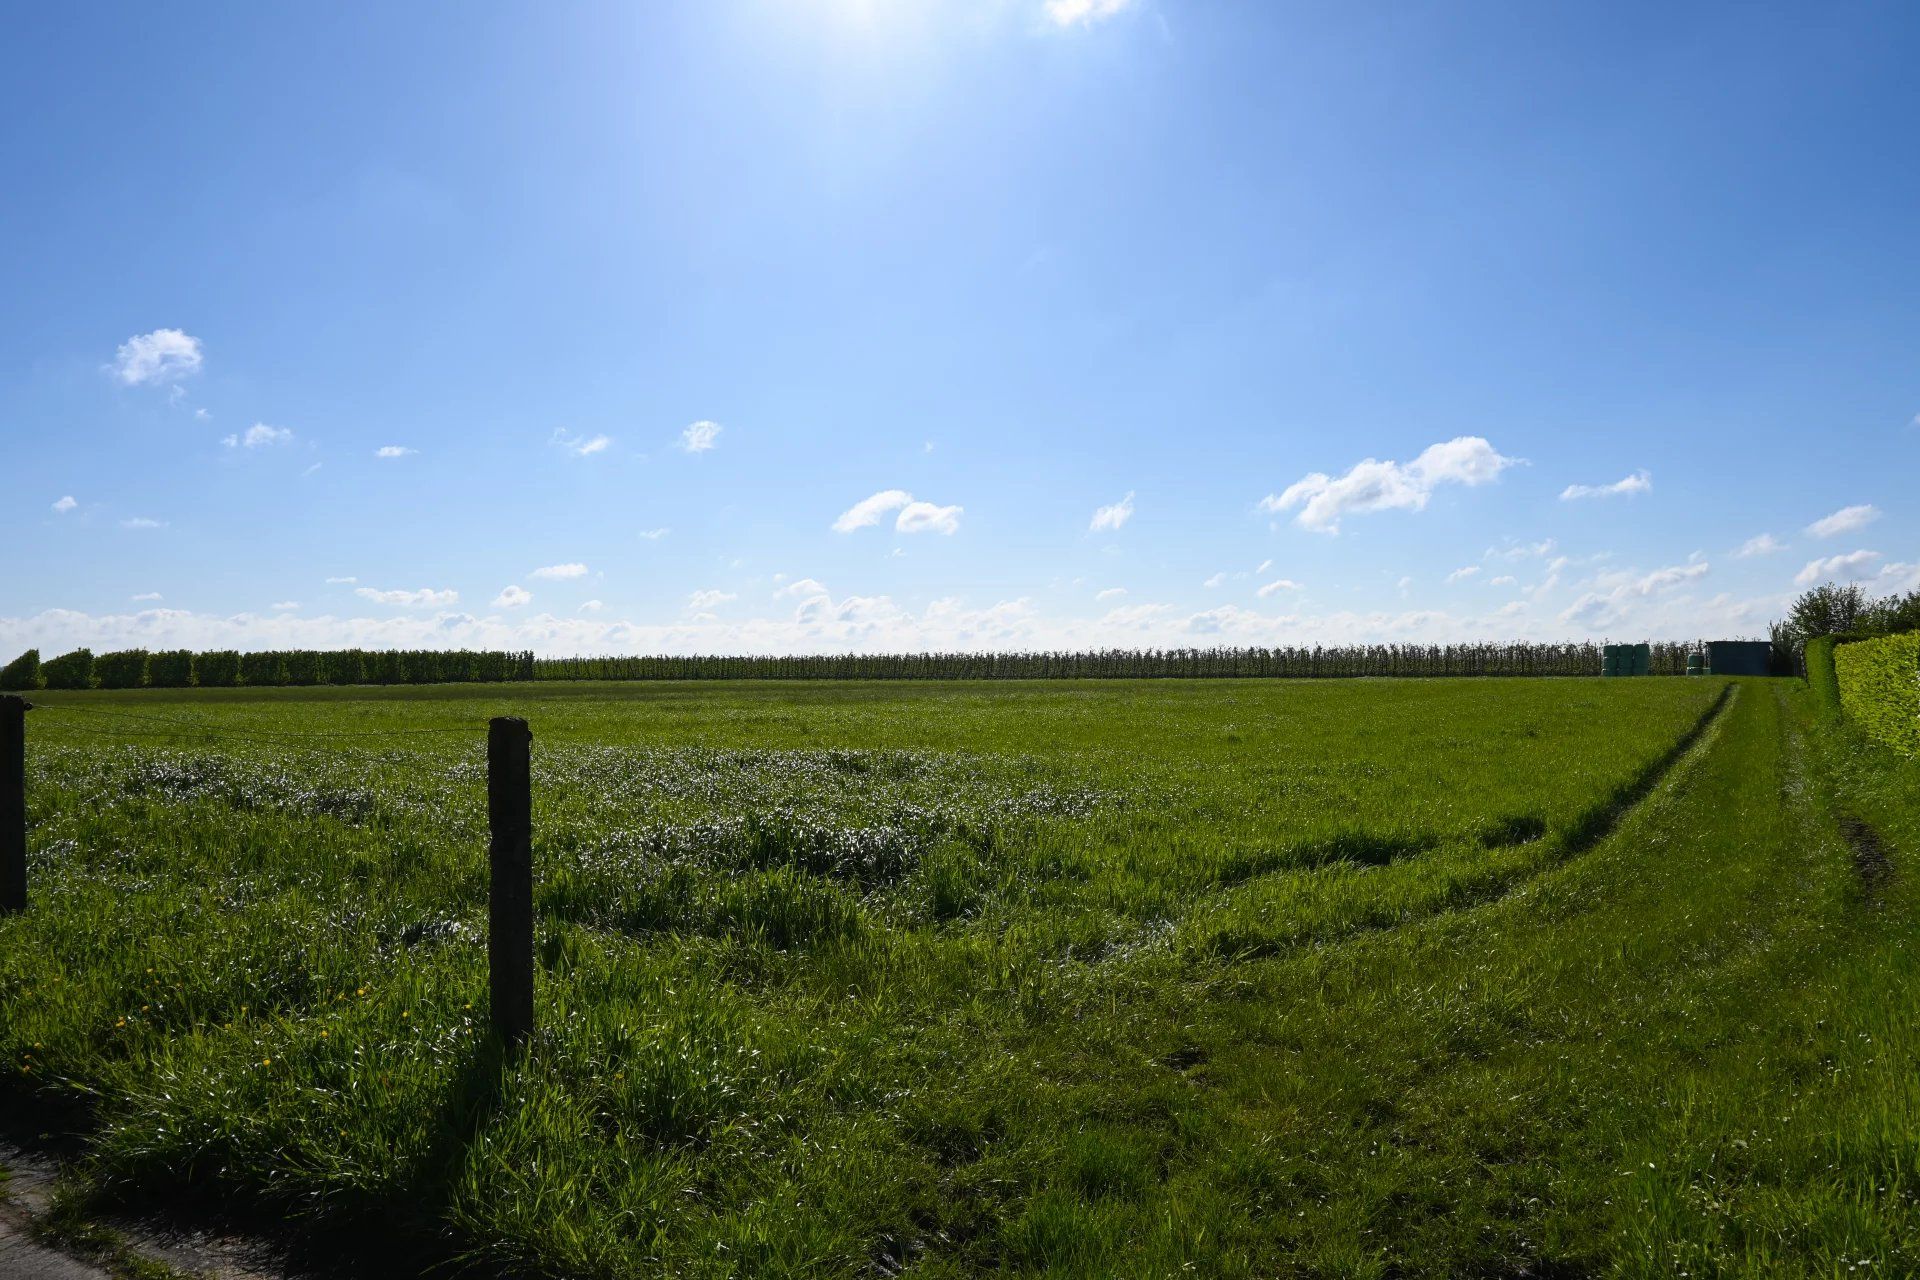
(1845, 520)
(65, 504)
(1461, 574)
(915, 517)
(591, 606)
(1113, 515)
(1504, 580)
(1850, 567)
(700, 436)
(424, 596)
(513, 597)
(393, 451)
(561, 571)
(1111, 593)
(1276, 586)
(164, 355)
(1639, 482)
(1071, 13)
(148, 595)
(801, 588)
(348, 580)
(709, 598)
(1263, 566)
(1216, 580)
(925, 517)
(1764, 544)
(581, 446)
(868, 511)
(654, 535)
(285, 604)
(143, 522)
(1613, 591)
(258, 436)
(1372, 485)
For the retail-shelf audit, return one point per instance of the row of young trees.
(182, 668)
(1349, 660)
(1832, 610)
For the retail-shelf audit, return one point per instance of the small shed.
(1740, 657)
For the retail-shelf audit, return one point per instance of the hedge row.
(1879, 688)
(180, 668)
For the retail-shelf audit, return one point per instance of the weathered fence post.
(13, 803)
(510, 891)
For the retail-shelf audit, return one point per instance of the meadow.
(1374, 978)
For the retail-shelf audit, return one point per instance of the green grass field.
(1374, 978)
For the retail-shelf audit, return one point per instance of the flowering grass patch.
(1108, 978)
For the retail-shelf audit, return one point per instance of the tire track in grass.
(1325, 907)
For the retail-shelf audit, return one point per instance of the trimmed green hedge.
(23, 672)
(1879, 688)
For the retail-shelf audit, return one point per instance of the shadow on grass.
(358, 1235)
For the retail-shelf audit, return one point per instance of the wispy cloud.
(1845, 520)
(165, 355)
(424, 596)
(592, 606)
(654, 535)
(259, 436)
(512, 597)
(1461, 574)
(1637, 483)
(1849, 567)
(701, 436)
(393, 451)
(1276, 587)
(349, 581)
(1372, 485)
(65, 504)
(562, 571)
(147, 596)
(1614, 590)
(142, 522)
(1764, 544)
(1113, 515)
(1079, 13)
(1111, 593)
(281, 606)
(1216, 580)
(709, 598)
(580, 446)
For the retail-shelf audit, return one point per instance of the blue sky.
(793, 325)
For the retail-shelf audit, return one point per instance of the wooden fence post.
(510, 882)
(13, 803)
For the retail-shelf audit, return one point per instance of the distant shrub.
(1879, 688)
(219, 669)
(23, 672)
(170, 669)
(300, 666)
(70, 670)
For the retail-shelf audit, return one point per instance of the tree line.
(1575, 659)
(228, 668)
